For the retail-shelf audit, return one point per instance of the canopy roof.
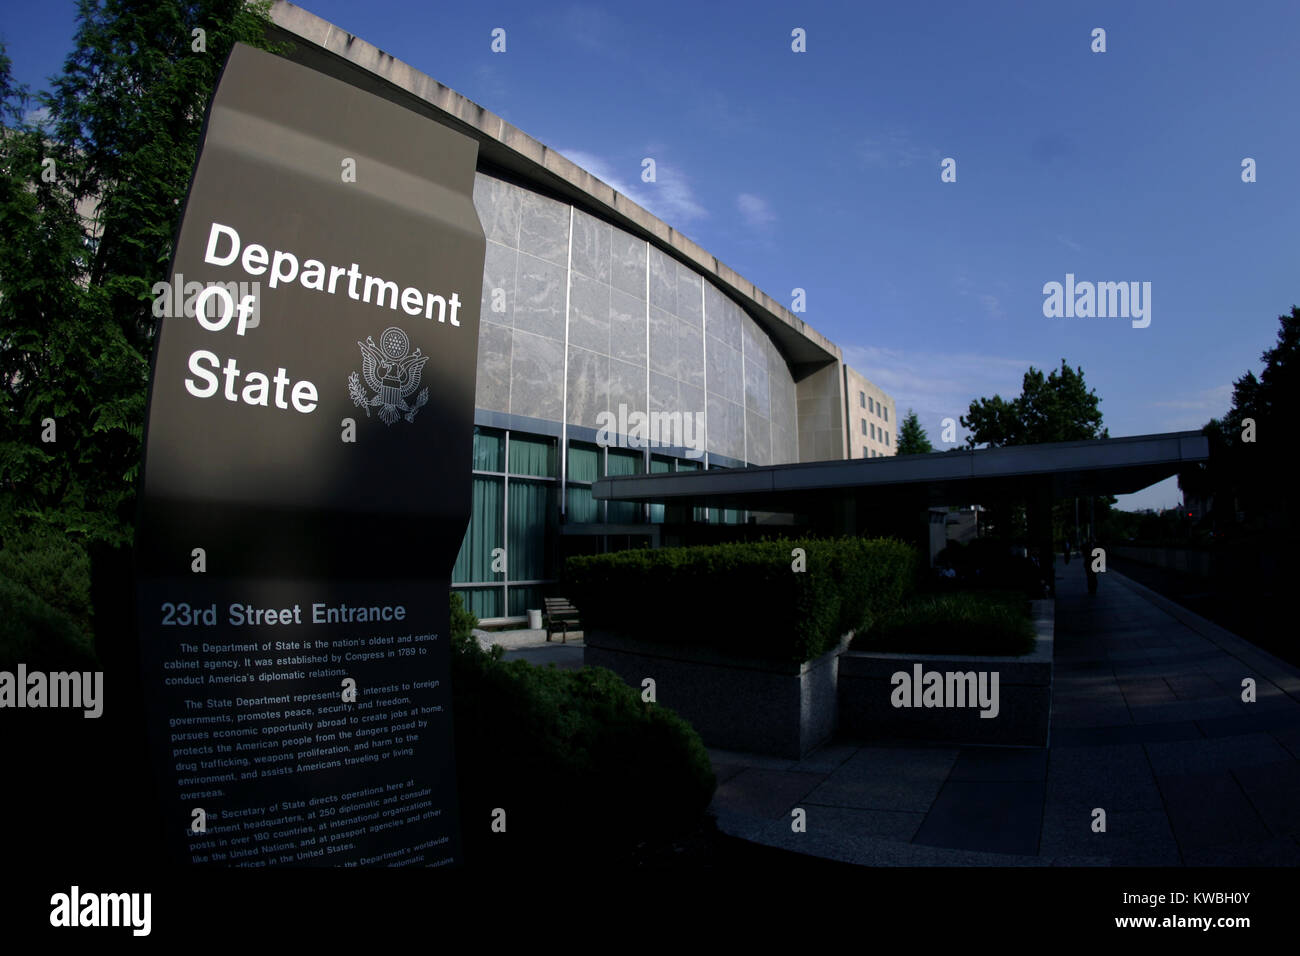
(1107, 466)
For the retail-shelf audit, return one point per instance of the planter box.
(734, 703)
(869, 695)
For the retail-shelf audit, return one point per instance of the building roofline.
(341, 54)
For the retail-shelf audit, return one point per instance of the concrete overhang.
(1108, 466)
(321, 45)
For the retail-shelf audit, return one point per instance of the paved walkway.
(565, 656)
(1147, 724)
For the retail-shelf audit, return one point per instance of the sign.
(306, 482)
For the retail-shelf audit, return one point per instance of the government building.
(596, 312)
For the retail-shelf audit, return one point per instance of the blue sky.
(821, 170)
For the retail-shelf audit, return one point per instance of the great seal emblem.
(393, 373)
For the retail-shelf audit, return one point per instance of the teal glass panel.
(532, 456)
(532, 506)
(483, 602)
(625, 463)
(488, 450)
(524, 599)
(474, 562)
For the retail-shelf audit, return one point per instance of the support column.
(1039, 520)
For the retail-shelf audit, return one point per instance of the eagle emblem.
(393, 374)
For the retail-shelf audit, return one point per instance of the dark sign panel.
(307, 480)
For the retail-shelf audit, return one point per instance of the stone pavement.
(1147, 724)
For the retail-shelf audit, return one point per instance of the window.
(624, 463)
(886, 414)
(517, 513)
(873, 432)
(697, 514)
(584, 468)
(886, 438)
(659, 465)
(862, 399)
(864, 426)
(872, 404)
(486, 530)
(865, 453)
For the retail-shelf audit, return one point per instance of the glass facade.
(505, 556)
(581, 319)
(511, 553)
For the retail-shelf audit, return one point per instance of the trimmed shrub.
(744, 598)
(52, 567)
(582, 767)
(976, 622)
(38, 635)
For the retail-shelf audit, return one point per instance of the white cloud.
(754, 210)
(669, 197)
(1069, 243)
(1189, 412)
(37, 117)
(895, 149)
(938, 385)
(991, 303)
(592, 28)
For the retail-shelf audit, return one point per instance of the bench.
(559, 615)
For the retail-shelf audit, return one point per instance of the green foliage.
(912, 439)
(38, 635)
(127, 114)
(53, 568)
(973, 622)
(83, 241)
(1054, 408)
(1170, 528)
(582, 766)
(463, 642)
(1240, 476)
(744, 598)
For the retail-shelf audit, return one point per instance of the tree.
(1249, 445)
(88, 207)
(912, 439)
(128, 112)
(1054, 408)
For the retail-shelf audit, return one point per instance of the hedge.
(972, 622)
(54, 568)
(744, 598)
(583, 768)
(39, 635)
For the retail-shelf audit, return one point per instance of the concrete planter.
(734, 703)
(870, 698)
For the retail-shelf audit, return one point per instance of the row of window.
(877, 434)
(510, 551)
(873, 406)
